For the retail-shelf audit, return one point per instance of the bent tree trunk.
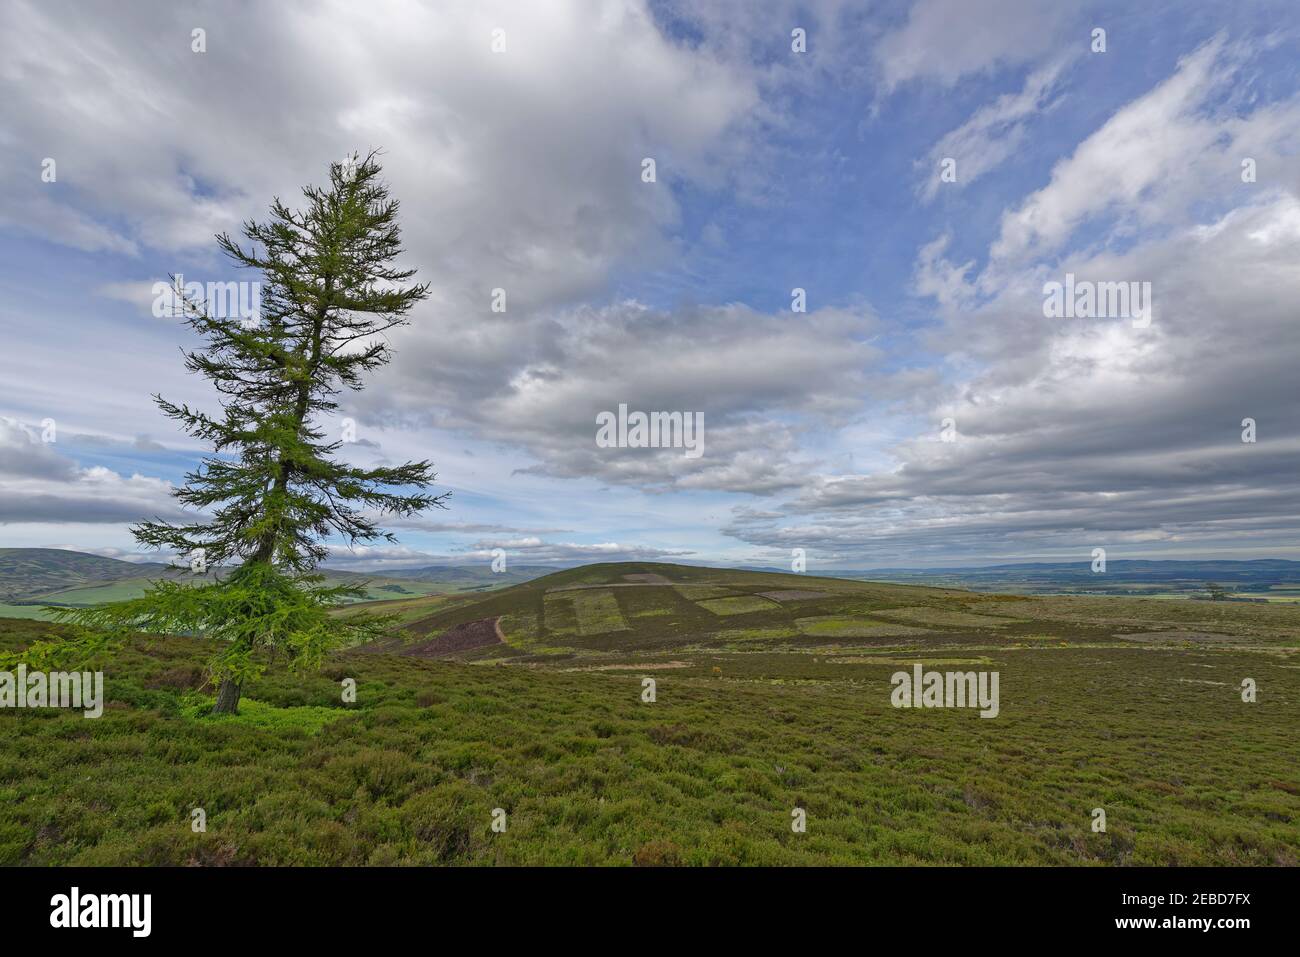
(227, 697)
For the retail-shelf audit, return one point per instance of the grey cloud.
(24, 455)
(1079, 433)
(37, 484)
(757, 379)
(460, 528)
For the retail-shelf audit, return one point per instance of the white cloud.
(1140, 163)
(993, 133)
(168, 146)
(945, 40)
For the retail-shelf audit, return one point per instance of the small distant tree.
(1217, 591)
(273, 486)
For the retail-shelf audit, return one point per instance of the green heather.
(1128, 704)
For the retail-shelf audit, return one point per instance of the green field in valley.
(35, 579)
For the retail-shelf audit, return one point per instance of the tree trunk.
(227, 697)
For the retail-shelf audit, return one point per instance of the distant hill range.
(33, 577)
(57, 576)
(27, 572)
(1272, 579)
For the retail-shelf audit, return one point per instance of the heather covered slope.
(772, 692)
(642, 607)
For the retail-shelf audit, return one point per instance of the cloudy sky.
(923, 410)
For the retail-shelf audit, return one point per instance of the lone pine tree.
(273, 487)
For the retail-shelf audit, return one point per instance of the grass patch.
(30, 612)
(837, 626)
(521, 629)
(944, 617)
(259, 714)
(927, 661)
(772, 634)
(597, 612)
(740, 605)
(701, 592)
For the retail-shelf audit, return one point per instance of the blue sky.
(520, 169)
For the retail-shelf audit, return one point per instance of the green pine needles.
(273, 492)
